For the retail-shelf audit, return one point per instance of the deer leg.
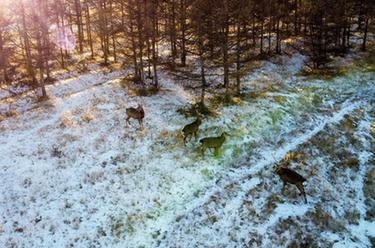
(216, 151)
(195, 135)
(127, 121)
(301, 189)
(203, 149)
(283, 189)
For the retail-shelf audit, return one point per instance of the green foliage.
(368, 62)
(317, 100)
(207, 173)
(279, 99)
(196, 193)
(276, 116)
(324, 73)
(155, 234)
(224, 100)
(259, 93)
(236, 151)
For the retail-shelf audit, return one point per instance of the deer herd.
(188, 131)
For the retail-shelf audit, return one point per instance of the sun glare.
(62, 37)
(187, 123)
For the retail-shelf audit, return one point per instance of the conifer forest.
(187, 123)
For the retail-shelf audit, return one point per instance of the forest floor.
(72, 174)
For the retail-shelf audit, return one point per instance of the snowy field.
(72, 174)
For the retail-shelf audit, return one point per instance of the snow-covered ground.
(72, 174)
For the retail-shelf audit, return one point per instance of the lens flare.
(62, 37)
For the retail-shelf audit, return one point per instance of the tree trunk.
(238, 57)
(296, 30)
(261, 36)
(225, 47)
(203, 78)
(78, 10)
(3, 60)
(40, 44)
(113, 35)
(89, 33)
(27, 48)
(172, 32)
(154, 52)
(183, 31)
(365, 34)
(278, 49)
(140, 42)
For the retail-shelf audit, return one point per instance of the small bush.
(147, 91)
(279, 99)
(225, 100)
(94, 177)
(195, 109)
(11, 113)
(66, 119)
(56, 152)
(352, 163)
(324, 73)
(136, 88)
(40, 99)
(87, 117)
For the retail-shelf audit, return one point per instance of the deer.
(135, 113)
(213, 142)
(290, 176)
(191, 129)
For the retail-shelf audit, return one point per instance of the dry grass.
(66, 120)
(87, 116)
(11, 114)
(195, 108)
(94, 177)
(226, 100)
(125, 225)
(40, 99)
(168, 140)
(135, 88)
(323, 73)
(293, 156)
(352, 163)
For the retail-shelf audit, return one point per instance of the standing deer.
(191, 129)
(135, 113)
(292, 177)
(213, 142)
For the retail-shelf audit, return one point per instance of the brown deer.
(135, 113)
(191, 129)
(292, 177)
(213, 142)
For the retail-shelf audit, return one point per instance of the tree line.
(40, 36)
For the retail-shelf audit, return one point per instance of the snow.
(109, 186)
(282, 211)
